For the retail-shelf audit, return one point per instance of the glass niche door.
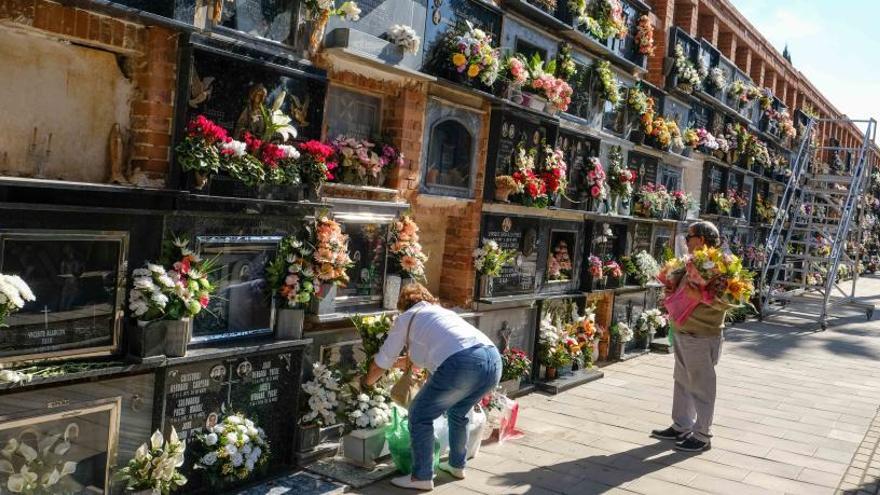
(367, 247)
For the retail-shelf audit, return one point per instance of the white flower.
(249, 465)
(12, 376)
(209, 459)
(708, 265)
(211, 439)
(234, 420)
(157, 269)
(232, 437)
(236, 148)
(236, 459)
(289, 151)
(405, 37)
(160, 299)
(351, 11)
(231, 449)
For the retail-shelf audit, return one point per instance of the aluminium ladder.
(808, 240)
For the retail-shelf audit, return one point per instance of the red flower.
(204, 300)
(270, 154)
(317, 150)
(202, 127)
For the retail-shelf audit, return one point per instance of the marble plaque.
(509, 129)
(521, 235)
(369, 34)
(577, 149)
(269, 19)
(645, 166)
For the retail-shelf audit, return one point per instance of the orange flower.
(409, 263)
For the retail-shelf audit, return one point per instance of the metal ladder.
(809, 236)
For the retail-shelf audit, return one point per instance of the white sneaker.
(408, 482)
(454, 471)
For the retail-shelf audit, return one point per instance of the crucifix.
(45, 312)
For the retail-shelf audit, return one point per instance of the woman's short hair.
(708, 231)
(412, 294)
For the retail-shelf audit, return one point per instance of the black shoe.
(692, 444)
(670, 434)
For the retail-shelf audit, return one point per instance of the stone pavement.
(796, 413)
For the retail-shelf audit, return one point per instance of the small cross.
(45, 312)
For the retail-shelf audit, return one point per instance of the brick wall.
(149, 52)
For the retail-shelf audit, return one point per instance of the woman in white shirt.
(464, 367)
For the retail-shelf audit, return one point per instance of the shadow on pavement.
(595, 474)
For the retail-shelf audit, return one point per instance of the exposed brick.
(152, 138)
(149, 152)
(152, 109)
(156, 166)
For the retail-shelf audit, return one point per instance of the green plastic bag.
(397, 436)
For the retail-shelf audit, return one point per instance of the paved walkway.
(796, 413)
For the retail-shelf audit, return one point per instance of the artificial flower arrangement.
(316, 164)
(718, 277)
(490, 259)
(586, 331)
(595, 266)
(706, 141)
(724, 201)
(180, 292)
(756, 152)
(531, 189)
(472, 54)
(612, 269)
(744, 92)
(645, 35)
(363, 162)
(622, 331)
(608, 89)
(602, 18)
(559, 264)
(786, 125)
(765, 99)
(14, 294)
(291, 274)
(36, 463)
(642, 267)
(689, 76)
(682, 202)
(154, 466)
(515, 71)
(650, 321)
(373, 330)
(715, 79)
(405, 37)
(595, 179)
(200, 149)
(515, 364)
(330, 255)
(232, 449)
(723, 145)
(322, 399)
(405, 250)
(653, 200)
(690, 138)
(754, 255)
(637, 100)
(555, 170)
(765, 209)
(553, 352)
(566, 68)
(663, 133)
(621, 180)
(543, 81)
(369, 408)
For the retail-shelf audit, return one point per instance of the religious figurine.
(301, 110)
(116, 156)
(504, 336)
(199, 89)
(251, 118)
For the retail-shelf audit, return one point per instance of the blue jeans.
(457, 385)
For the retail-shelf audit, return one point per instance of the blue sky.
(833, 42)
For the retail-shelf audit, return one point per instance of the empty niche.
(449, 160)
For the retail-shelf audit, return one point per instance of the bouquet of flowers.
(323, 396)
(681, 201)
(706, 141)
(719, 276)
(621, 180)
(612, 269)
(623, 332)
(608, 88)
(171, 294)
(786, 125)
(35, 463)
(555, 170)
(559, 264)
(330, 255)
(595, 266)
(199, 149)
(642, 266)
(516, 71)
(154, 466)
(724, 201)
(291, 274)
(638, 100)
(645, 36)
(716, 79)
(405, 248)
(235, 447)
(315, 162)
(603, 18)
(490, 259)
(690, 138)
(650, 321)
(766, 210)
(755, 256)
(530, 185)
(515, 364)
(553, 352)
(405, 37)
(368, 409)
(689, 76)
(14, 294)
(363, 162)
(595, 179)
(653, 199)
(373, 331)
(473, 55)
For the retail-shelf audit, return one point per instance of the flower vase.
(177, 336)
(510, 386)
(549, 373)
(391, 292)
(363, 447)
(289, 323)
(147, 340)
(550, 109)
(487, 284)
(649, 338)
(537, 102)
(564, 370)
(325, 302)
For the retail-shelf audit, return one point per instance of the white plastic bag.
(476, 424)
(441, 434)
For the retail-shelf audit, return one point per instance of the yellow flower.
(473, 70)
(458, 60)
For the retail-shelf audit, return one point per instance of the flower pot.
(289, 323)
(503, 194)
(177, 335)
(549, 373)
(146, 340)
(537, 102)
(364, 447)
(550, 109)
(564, 370)
(391, 291)
(510, 386)
(222, 185)
(486, 286)
(325, 303)
(599, 283)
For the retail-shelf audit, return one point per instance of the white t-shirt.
(436, 334)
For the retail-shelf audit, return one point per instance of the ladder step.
(840, 179)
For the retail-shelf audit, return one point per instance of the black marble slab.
(571, 380)
(298, 483)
